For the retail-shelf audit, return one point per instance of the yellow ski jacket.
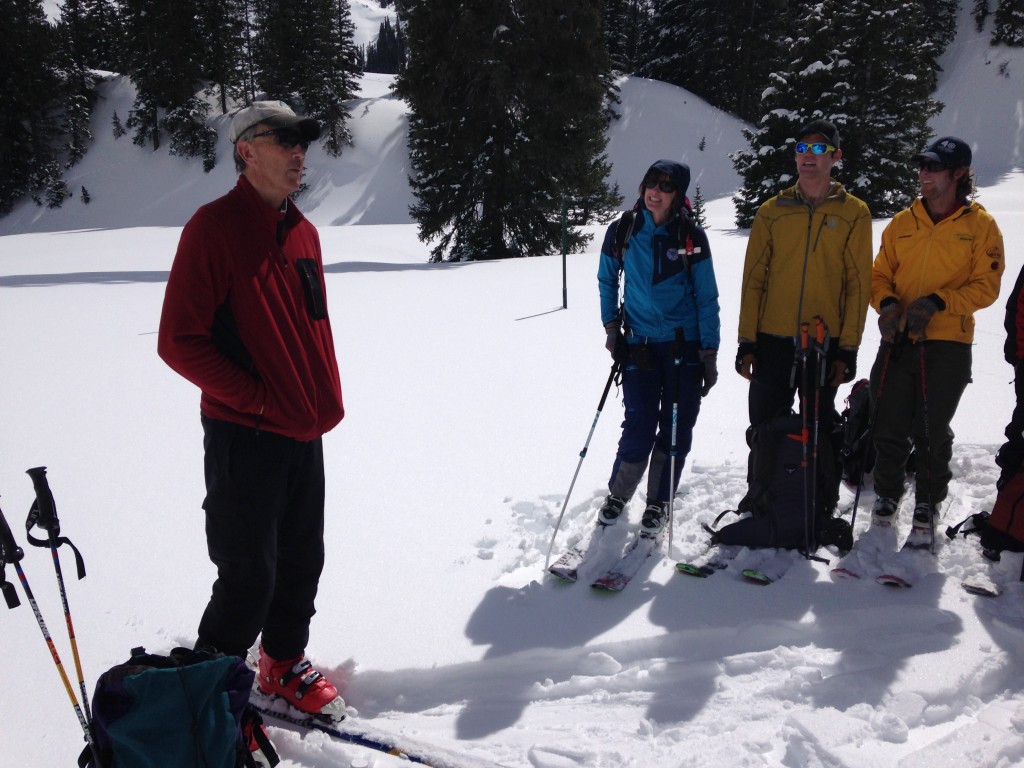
(959, 259)
(803, 261)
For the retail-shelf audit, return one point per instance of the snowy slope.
(469, 395)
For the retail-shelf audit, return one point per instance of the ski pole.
(11, 553)
(821, 340)
(870, 435)
(674, 450)
(583, 455)
(44, 514)
(927, 447)
(804, 431)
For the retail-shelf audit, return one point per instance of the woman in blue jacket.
(664, 332)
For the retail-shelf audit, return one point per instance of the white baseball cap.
(273, 114)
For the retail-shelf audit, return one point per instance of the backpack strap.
(623, 232)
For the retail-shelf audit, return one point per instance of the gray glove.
(709, 357)
(919, 314)
(889, 321)
(615, 342)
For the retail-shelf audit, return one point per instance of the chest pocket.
(669, 259)
(316, 303)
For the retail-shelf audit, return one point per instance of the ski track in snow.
(734, 652)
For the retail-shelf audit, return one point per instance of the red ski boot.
(295, 681)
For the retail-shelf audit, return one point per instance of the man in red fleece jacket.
(245, 319)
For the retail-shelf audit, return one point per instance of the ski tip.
(843, 574)
(608, 585)
(700, 571)
(564, 577)
(890, 580)
(757, 577)
(981, 589)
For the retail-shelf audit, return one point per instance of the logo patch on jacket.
(672, 254)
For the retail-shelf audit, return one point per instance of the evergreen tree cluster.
(870, 67)
(188, 60)
(387, 54)
(509, 100)
(507, 124)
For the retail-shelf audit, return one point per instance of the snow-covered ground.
(469, 395)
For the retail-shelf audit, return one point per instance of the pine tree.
(627, 25)
(506, 101)
(33, 96)
(698, 208)
(723, 52)
(1008, 24)
(980, 13)
(305, 55)
(867, 66)
(116, 126)
(387, 54)
(224, 25)
(333, 73)
(164, 58)
(74, 59)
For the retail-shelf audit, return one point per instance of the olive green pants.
(915, 391)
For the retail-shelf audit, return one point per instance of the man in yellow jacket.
(809, 254)
(940, 261)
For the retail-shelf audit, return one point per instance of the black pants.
(264, 531)
(776, 380)
(1011, 453)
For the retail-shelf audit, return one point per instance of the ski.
(362, 735)
(755, 576)
(566, 568)
(702, 570)
(892, 580)
(635, 555)
(843, 574)
(916, 546)
(981, 587)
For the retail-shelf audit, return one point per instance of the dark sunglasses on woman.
(664, 185)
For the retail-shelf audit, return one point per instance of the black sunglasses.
(286, 137)
(664, 185)
(932, 167)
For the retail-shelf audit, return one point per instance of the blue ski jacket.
(665, 287)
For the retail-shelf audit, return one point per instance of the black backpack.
(775, 498)
(857, 454)
(189, 708)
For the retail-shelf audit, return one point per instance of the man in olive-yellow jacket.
(940, 261)
(808, 256)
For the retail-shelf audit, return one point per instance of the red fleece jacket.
(245, 318)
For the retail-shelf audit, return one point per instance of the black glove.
(846, 358)
(745, 359)
(889, 320)
(919, 314)
(709, 357)
(615, 342)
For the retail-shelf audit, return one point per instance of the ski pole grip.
(9, 553)
(44, 510)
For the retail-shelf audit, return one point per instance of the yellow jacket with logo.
(959, 259)
(803, 261)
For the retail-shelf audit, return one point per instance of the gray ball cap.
(273, 114)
